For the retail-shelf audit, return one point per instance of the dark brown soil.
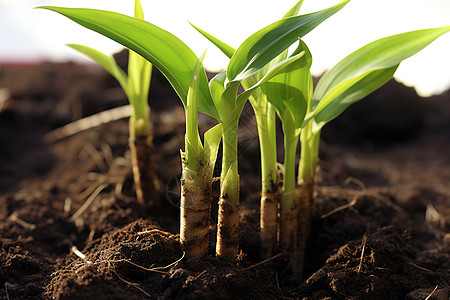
(381, 228)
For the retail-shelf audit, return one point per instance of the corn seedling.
(265, 111)
(274, 81)
(349, 81)
(305, 112)
(177, 62)
(136, 87)
(188, 78)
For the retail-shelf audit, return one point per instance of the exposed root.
(263, 262)
(364, 241)
(429, 296)
(13, 217)
(420, 268)
(152, 231)
(78, 253)
(135, 285)
(199, 275)
(340, 208)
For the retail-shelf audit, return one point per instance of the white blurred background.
(30, 35)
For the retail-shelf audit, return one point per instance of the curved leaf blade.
(225, 48)
(352, 91)
(267, 43)
(163, 49)
(292, 88)
(108, 63)
(383, 54)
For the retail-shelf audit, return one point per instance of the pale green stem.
(265, 120)
(229, 176)
(309, 155)
(290, 149)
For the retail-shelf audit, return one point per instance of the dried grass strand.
(93, 121)
(88, 202)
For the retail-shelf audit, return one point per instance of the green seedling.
(218, 99)
(187, 76)
(305, 112)
(276, 38)
(136, 87)
(349, 81)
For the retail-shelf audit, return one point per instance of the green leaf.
(138, 13)
(211, 142)
(225, 48)
(191, 109)
(275, 70)
(351, 79)
(294, 10)
(292, 88)
(352, 91)
(217, 87)
(106, 62)
(164, 50)
(267, 43)
(228, 50)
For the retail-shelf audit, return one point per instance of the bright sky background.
(28, 34)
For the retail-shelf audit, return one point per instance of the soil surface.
(70, 226)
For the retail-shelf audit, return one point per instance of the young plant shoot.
(277, 37)
(187, 76)
(197, 175)
(289, 92)
(349, 81)
(136, 87)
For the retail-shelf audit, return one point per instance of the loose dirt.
(70, 227)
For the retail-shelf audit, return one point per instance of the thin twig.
(429, 296)
(135, 285)
(263, 262)
(364, 241)
(88, 123)
(88, 202)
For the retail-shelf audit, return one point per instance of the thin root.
(420, 268)
(152, 231)
(78, 253)
(135, 285)
(364, 241)
(263, 262)
(340, 208)
(429, 296)
(199, 275)
(13, 217)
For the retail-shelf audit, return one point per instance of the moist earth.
(71, 228)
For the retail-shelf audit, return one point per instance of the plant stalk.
(196, 197)
(141, 146)
(227, 245)
(306, 173)
(270, 196)
(289, 197)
